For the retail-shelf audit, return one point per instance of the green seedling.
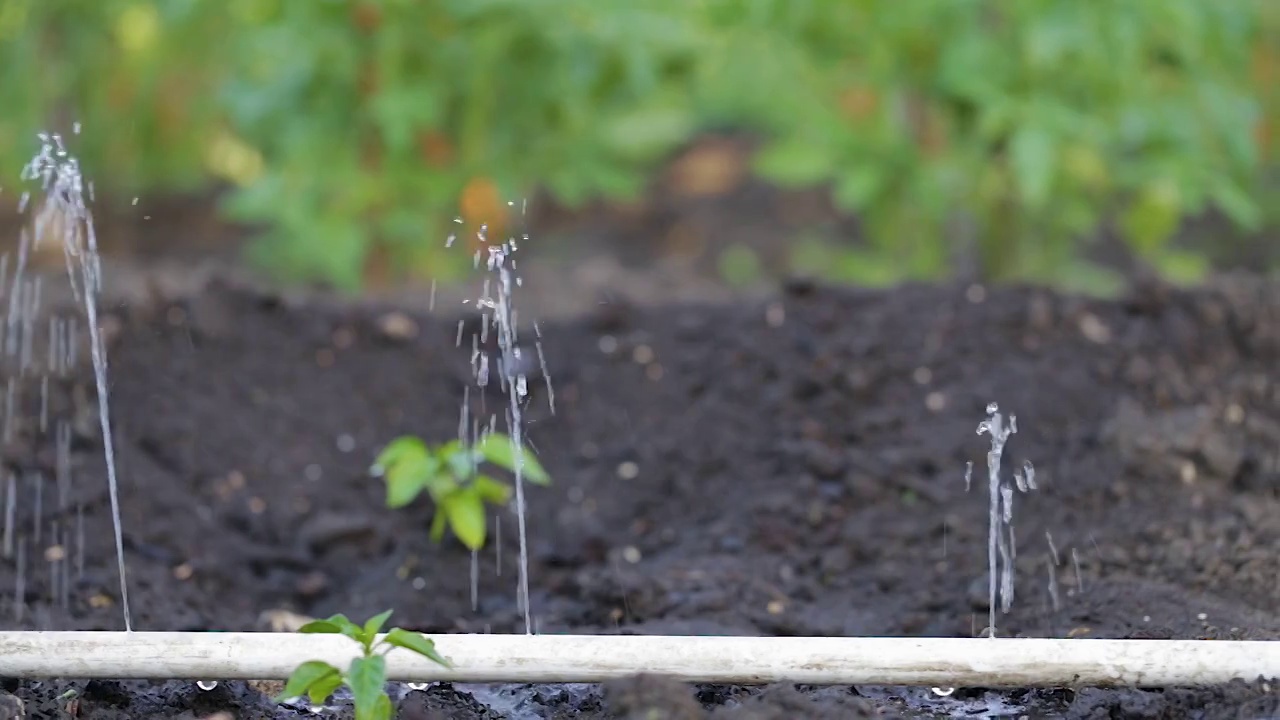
(449, 474)
(366, 677)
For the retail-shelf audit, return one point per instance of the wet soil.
(789, 466)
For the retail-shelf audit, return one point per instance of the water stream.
(63, 211)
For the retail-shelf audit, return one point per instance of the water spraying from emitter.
(1001, 549)
(515, 383)
(63, 212)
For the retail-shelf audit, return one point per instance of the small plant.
(366, 677)
(449, 474)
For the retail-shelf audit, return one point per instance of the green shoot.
(449, 474)
(366, 677)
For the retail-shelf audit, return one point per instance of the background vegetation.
(351, 131)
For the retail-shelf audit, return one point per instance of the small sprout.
(449, 474)
(367, 675)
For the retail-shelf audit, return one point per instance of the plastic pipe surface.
(951, 662)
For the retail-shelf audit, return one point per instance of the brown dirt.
(800, 472)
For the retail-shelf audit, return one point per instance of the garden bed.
(787, 467)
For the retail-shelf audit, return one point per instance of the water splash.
(516, 386)
(64, 212)
(1001, 547)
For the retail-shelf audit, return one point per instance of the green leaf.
(796, 162)
(383, 710)
(399, 111)
(492, 491)
(1181, 267)
(1237, 205)
(465, 510)
(374, 624)
(1149, 223)
(416, 642)
(438, 524)
(739, 265)
(1090, 279)
(500, 450)
(401, 449)
(408, 466)
(339, 624)
(1032, 158)
(323, 688)
(311, 678)
(646, 133)
(461, 463)
(321, 626)
(856, 188)
(367, 677)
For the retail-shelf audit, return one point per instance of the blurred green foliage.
(360, 133)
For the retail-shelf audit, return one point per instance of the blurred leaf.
(1151, 220)
(439, 523)
(646, 133)
(1182, 267)
(407, 466)
(1237, 205)
(492, 491)
(500, 450)
(795, 162)
(315, 679)
(402, 111)
(1032, 156)
(465, 510)
(739, 265)
(858, 186)
(1090, 279)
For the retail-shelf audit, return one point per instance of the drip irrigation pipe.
(949, 662)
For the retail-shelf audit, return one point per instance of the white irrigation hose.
(951, 662)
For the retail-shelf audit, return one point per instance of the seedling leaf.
(323, 688)
(398, 451)
(339, 624)
(491, 491)
(367, 676)
(416, 642)
(373, 625)
(383, 711)
(499, 450)
(404, 485)
(463, 464)
(465, 510)
(333, 624)
(438, 524)
(311, 678)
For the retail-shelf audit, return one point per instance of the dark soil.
(790, 467)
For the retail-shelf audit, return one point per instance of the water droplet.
(417, 686)
(942, 691)
(1029, 474)
(206, 685)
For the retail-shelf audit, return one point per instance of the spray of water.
(63, 212)
(516, 386)
(1001, 549)
(496, 302)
